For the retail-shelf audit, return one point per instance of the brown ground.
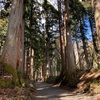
(16, 94)
(50, 92)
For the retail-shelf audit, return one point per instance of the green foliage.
(3, 26)
(77, 9)
(4, 83)
(35, 35)
(6, 9)
(21, 79)
(95, 87)
(9, 77)
(48, 6)
(11, 71)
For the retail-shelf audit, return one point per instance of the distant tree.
(62, 51)
(50, 15)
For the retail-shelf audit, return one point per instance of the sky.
(1, 5)
(53, 2)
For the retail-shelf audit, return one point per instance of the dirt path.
(49, 92)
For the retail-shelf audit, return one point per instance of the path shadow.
(49, 92)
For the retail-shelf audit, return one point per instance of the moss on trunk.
(10, 77)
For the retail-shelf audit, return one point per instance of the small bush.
(11, 71)
(51, 79)
(9, 76)
(5, 83)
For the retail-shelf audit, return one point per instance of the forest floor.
(52, 92)
(16, 93)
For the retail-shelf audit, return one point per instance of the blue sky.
(88, 31)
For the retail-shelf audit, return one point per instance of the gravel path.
(49, 92)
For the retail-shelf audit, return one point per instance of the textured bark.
(61, 36)
(97, 18)
(78, 50)
(70, 60)
(29, 68)
(94, 35)
(14, 45)
(85, 46)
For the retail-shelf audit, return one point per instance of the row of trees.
(40, 38)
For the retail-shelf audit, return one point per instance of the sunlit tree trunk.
(93, 26)
(44, 68)
(78, 50)
(61, 37)
(97, 18)
(70, 60)
(92, 3)
(47, 41)
(31, 55)
(31, 63)
(97, 21)
(14, 45)
(94, 35)
(27, 60)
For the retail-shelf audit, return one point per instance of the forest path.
(50, 92)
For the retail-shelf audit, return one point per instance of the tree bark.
(14, 45)
(47, 42)
(94, 36)
(61, 36)
(97, 18)
(84, 45)
(32, 64)
(70, 60)
(78, 50)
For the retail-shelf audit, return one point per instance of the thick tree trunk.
(14, 45)
(84, 46)
(92, 3)
(61, 37)
(94, 36)
(97, 18)
(70, 60)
